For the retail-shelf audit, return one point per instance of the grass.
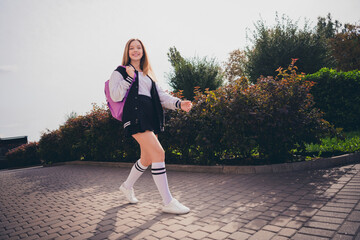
(331, 146)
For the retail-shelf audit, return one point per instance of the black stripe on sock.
(158, 173)
(157, 169)
(137, 163)
(139, 168)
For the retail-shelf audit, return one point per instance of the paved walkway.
(83, 202)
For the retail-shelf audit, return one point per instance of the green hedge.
(338, 95)
(22, 156)
(240, 123)
(93, 137)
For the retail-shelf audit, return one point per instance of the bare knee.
(158, 155)
(145, 161)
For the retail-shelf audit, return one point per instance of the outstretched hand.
(186, 105)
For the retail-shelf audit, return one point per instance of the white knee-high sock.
(136, 171)
(159, 175)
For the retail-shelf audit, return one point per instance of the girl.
(143, 120)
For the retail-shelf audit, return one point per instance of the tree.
(342, 40)
(190, 73)
(345, 47)
(276, 46)
(235, 65)
(326, 27)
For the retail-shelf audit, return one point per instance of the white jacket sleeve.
(166, 100)
(118, 86)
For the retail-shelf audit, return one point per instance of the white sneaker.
(129, 194)
(175, 207)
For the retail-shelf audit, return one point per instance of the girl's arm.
(118, 86)
(166, 100)
(172, 102)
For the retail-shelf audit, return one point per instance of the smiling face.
(135, 51)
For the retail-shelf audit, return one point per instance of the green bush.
(206, 135)
(93, 137)
(50, 147)
(285, 114)
(24, 155)
(337, 94)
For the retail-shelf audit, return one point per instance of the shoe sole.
(165, 211)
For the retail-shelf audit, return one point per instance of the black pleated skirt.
(147, 119)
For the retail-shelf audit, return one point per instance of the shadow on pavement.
(108, 224)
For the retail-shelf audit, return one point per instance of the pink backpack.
(116, 108)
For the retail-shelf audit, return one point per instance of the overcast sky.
(55, 55)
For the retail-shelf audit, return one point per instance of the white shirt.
(118, 87)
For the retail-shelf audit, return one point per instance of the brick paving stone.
(342, 237)
(23, 236)
(340, 204)
(256, 224)
(337, 209)
(263, 235)
(331, 214)
(179, 234)
(239, 235)
(354, 216)
(161, 234)
(280, 238)
(250, 215)
(317, 232)
(64, 237)
(33, 237)
(327, 219)
(219, 235)
(198, 235)
(266, 218)
(175, 227)
(350, 197)
(300, 236)
(154, 238)
(191, 228)
(231, 227)
(295, 224)
(357, 235)
(281, 221)
(157, 227)
(322, 225)
(249, 231)
(308, 212)
(168, 238)
(350, 228)
(290, 213)
(272, 228)
(357, 206)
(270, 214)
(278, 208)
(287, 232)
(340, 200)
(142, 234)
(210, 228)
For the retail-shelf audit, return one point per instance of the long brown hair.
(144, 61)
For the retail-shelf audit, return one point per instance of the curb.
(321, 163)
